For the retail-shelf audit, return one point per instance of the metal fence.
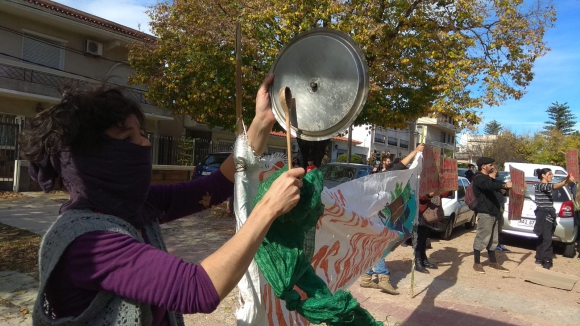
(183, 150)
(9, 129)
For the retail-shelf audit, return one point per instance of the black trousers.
(421, 247)
(544, 229)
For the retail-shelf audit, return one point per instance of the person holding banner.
(423, 231)
(380, 268)
(488, 208)
(546, 215)
(501, 198)
(384, 165)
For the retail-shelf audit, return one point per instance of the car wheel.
(471, 223)
(569, 250)
(446, 234)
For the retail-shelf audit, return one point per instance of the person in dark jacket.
(470, 173)
(423, 231)
(488, 208)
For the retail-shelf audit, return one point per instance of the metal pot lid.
(328, 76)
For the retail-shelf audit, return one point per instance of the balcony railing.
(39, 77)
(439, 144)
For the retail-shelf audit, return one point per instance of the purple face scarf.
(113, 179)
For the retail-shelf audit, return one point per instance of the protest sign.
(448, 175)
(572, 163)
(517, 193)
(430, 172)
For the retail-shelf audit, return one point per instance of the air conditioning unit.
(94, 48)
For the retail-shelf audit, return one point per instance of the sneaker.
(539, 261)
(501, 248)
(478, 268)
(499, 268)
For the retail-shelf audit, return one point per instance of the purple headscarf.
(113, 179)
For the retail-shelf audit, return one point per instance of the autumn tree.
(493, 128)
(507, 147)
(450, 57)
(561, 119)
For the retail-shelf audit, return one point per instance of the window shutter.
(41, 51)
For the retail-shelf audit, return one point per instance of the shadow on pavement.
(430, 312)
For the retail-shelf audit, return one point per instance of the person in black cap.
(487, 210)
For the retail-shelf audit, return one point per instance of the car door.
(464, 211)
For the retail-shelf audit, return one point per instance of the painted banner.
(363, 220)
(517, 193)
(430, 172)
(448, 175)
(572, 163)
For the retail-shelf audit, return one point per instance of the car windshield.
(337, 172)
(503, 176)
(559, 195)
(214, 160)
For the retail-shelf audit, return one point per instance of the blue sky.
(557, 74)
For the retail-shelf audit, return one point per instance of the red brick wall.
(157, 177)
(169, 176)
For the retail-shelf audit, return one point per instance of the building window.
(43, 50)
(380, 138)
(443, 137)
(393, 141)
(404, 143)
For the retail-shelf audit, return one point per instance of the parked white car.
(566, 230)
(456, 211)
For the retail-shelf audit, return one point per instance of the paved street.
(440, 299)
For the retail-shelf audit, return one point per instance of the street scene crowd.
(106, 258)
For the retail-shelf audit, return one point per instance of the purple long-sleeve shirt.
(120, 264)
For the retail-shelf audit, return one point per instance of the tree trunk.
(314, 150)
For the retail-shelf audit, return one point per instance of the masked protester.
(104, 261)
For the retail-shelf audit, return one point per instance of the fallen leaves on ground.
(10, 194)
(24, 311)
(218, 211)
(18, 250)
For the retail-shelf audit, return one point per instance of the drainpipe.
(349, 145)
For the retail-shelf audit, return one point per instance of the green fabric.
(283, 262)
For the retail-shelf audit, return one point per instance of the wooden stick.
(285, 96)
(239, 128)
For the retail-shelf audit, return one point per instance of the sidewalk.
(439, 300)
(35, 212)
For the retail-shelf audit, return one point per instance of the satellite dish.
(328, 77)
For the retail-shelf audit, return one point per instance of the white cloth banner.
(363, 220)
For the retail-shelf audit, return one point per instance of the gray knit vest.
(106, 309)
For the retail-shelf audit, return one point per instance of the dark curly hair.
(78, 122)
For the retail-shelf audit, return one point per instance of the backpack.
(470, 199)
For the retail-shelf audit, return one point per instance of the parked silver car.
(456, 211)
(336, 173)
(566, 230)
